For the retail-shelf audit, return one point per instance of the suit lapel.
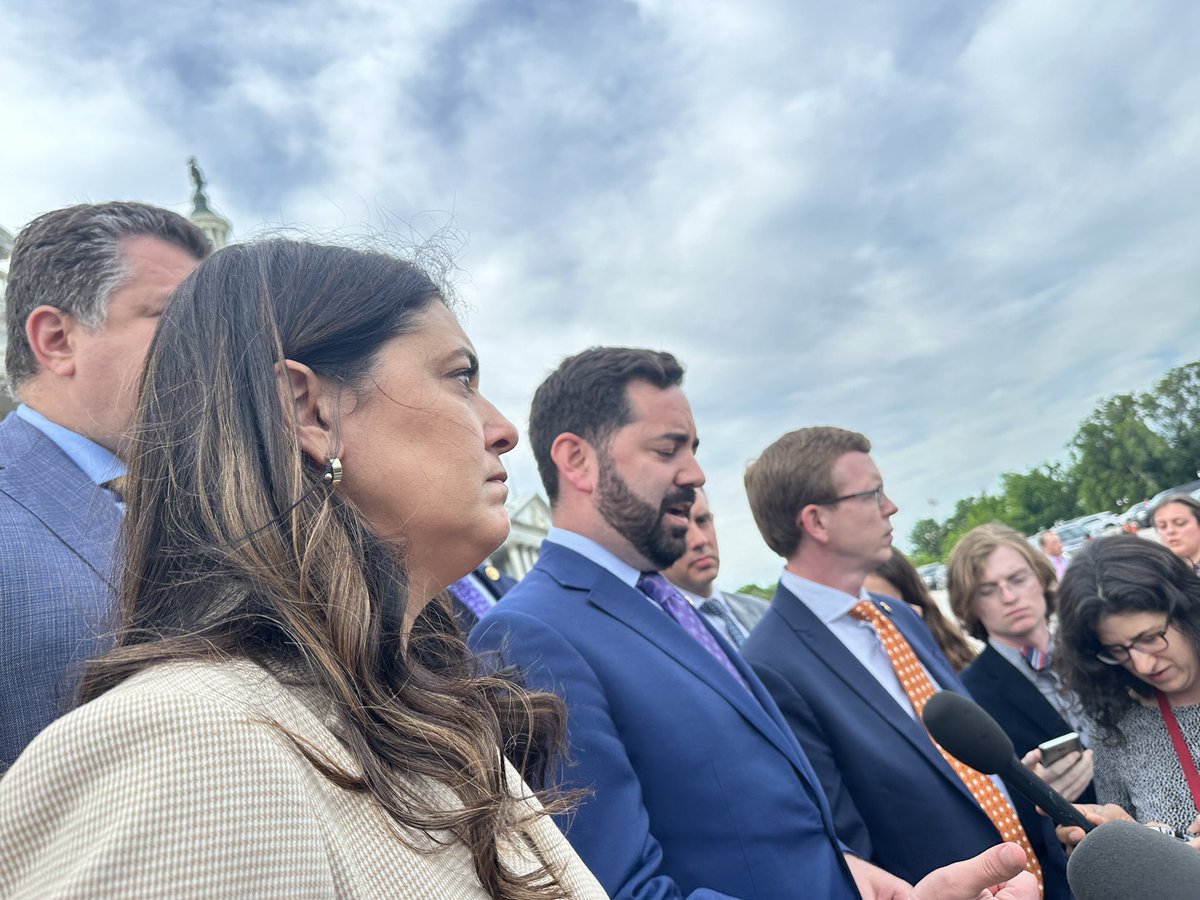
(1021, 694)
(38, 476)
(843, 666)
(637, 612)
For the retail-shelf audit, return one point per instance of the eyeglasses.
(1118, 654)
(877, 493)
(1014, 583)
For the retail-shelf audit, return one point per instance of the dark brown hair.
(1121, 573)
(586, 396)
(900, 572)
(234, 547)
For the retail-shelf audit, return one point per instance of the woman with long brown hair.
(899, 578)
(285, 712)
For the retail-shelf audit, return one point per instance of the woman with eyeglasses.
(288, 711)
(1002, 590)
(1128, 646)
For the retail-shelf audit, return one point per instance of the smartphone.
(1056, 748)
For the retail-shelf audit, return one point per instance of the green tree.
(754, 590)
(926, 540)
(1172, 410)
(1118, 458)
(1036, 499)
(969, 513)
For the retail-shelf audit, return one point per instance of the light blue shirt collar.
(97, 463)
(827, 604)
(590, 550)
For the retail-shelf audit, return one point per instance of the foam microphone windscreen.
(967, 732)
(1124, 860)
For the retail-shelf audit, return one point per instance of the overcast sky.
(953, 226)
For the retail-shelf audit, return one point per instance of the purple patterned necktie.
(470, 596)
(658, 589)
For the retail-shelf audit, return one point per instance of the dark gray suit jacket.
(58, 535)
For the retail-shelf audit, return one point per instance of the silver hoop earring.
(332, 476)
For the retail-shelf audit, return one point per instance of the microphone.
(971, 736)
(1124, 859)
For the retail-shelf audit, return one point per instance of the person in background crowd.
(851, 673)
(898, 578)
(1002, 591)
(86, 287)
(699, 788)
(1052, 546)
(473, 595)
(694, 573)
(1128, 646)
(284, 712)
(1177, 522)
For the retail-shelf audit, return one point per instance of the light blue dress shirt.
(98, 463)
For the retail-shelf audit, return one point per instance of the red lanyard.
(1181, 748)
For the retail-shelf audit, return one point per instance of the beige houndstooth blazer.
(174, 784)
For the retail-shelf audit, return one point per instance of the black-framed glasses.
(1118, 654)
(876, 493)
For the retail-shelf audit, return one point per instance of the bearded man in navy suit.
(698, 787)
(86, 286)
(831, 656)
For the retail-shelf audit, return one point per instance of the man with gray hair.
(86, 287)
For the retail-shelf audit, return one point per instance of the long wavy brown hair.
(234, 547)
(901, 573)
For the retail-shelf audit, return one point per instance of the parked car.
(1143, 520)
(934, 575)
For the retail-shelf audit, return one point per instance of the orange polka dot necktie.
(920, 687)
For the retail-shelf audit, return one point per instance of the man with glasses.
(1003, 592)
(851, 671)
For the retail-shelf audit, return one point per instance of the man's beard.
(640, 523)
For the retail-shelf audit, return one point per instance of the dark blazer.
(58, 534)
(497, 583)
(699, 788)
(895, 800)
(1016, 704)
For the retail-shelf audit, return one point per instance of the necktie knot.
(655, 586)
(1039, 660)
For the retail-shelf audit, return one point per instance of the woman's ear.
(311, 405)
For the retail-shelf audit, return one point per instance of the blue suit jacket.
(700, 787)
(58, 531)
(1016, 704)
(895, 800)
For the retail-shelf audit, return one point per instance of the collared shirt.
(98, 463)
(723, 625)
(1049, 685)
(833, 607)
(605, 559)
(1060, 564)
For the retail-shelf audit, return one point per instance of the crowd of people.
(251, 644)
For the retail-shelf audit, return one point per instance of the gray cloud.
(952, 226)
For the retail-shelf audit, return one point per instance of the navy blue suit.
(700, 788)
(58, 534)
(895, 800)
(1016, 704)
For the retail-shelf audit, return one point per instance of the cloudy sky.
(952, 225)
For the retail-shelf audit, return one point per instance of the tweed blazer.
(58, 530)
(181, 782)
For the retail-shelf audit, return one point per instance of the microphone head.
(1120, 860)
(968, 733)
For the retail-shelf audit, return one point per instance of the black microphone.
(1120, 860)
(971, 736)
